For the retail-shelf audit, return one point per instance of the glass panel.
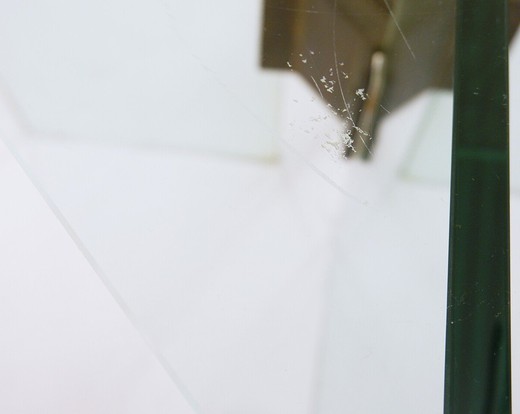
(262, 186)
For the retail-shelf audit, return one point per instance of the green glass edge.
(478, 338)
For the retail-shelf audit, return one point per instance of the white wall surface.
(157, 73)
(65, 346)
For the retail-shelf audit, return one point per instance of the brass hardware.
(339, 39)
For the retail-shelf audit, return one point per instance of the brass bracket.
(389, 49)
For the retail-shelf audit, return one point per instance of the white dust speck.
(361, 93)
(347, 139)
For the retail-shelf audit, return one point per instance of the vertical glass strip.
(478, 354)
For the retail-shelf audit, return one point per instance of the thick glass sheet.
(201, 170)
